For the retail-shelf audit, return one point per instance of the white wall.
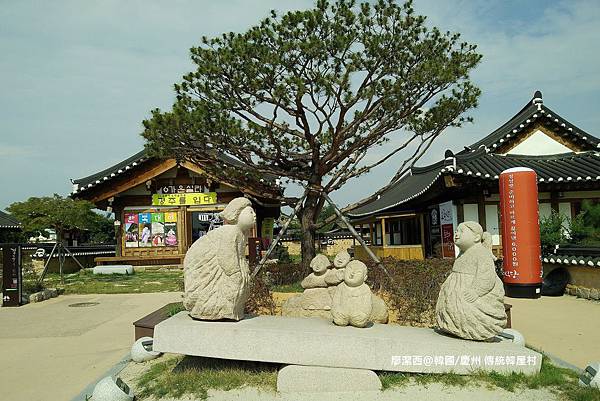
(539, 144)
(471, 212)
(492, 224)
(545, 210)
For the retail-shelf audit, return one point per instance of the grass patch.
(393, 379)
(561, 381)
(84, 282)
(294, 287)
(181, 376)
(175, 309)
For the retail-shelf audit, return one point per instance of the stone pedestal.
(313, 379)
(318, 342)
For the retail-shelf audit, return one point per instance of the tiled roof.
(590, 261)
(82, 184)
(566, 167)
(7, 221)
(90, 181)
(574, 255)
(535, 112)
(481, 161)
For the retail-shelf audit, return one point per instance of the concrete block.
(142, 350)
(312, 379)
(113, 269)
(109, 389)
(318, 342)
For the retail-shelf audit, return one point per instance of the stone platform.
(318, 342)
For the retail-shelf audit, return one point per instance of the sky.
(78, 77)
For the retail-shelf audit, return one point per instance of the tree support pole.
(278, 238)
(338, 212)
(47, 263)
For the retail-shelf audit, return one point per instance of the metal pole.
(278, 238)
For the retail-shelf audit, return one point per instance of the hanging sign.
(186, 199)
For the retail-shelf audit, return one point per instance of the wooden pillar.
(371, 234)
(383, 241)
(422, 222)
(460, 213)
(481, 211)
(554, 201)
(119, 215)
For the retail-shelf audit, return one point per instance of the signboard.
(185, 199)
(447, 229)
(180, 189)
(12, 285)
(522, 259)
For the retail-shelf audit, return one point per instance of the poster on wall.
(447, 225)
(158, 229)
(267, 231)
(171, 229)
(145, 229)
(132, 234)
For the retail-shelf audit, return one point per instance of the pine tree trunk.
(308, 218)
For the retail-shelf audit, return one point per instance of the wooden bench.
(144, 327)
(141, 260)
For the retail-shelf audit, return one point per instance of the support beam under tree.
(339, 214)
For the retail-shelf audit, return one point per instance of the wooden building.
(9, 228)
(409, 217)
(162, 206)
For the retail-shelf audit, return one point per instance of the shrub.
(552, 232)
(261, 299)
(413, 288)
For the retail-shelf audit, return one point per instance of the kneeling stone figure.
(471, 300)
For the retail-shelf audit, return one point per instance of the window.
(404, 231)
(377, 234)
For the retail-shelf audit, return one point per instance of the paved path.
(50, 351)
(567, 327)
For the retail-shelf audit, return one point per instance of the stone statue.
(319, 265)
(216, 272)
(471, 300)
(319, 290)
(352, 303)
(316, 297)
(336, 275)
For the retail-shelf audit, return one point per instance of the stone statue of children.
(352, 300)
(471, 301)
(336, 275)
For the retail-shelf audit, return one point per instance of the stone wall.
(293, 247)
(581, 276)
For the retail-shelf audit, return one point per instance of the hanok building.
(162, 206)
(9, 227)
(408, 218)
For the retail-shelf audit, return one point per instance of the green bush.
(552, 231)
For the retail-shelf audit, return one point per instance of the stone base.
(113, 269)
(313, 379)
(318, 342)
